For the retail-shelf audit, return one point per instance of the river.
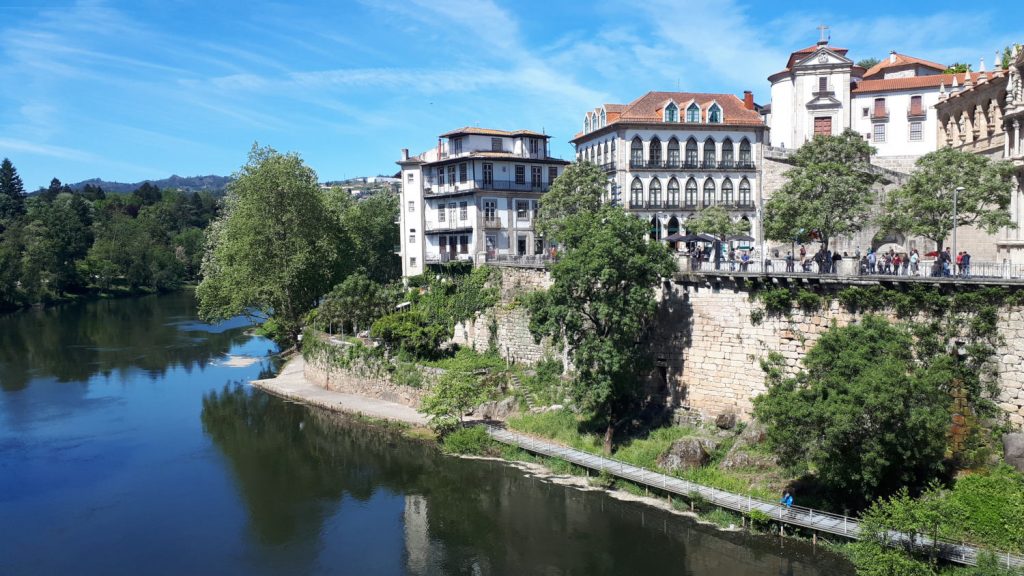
(130, 444)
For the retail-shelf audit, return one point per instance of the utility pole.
(956, 191)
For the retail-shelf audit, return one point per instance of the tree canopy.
(715, 220)
(867, 63)
(12, 194)
(602, 303)
(829, 190)
(924, 205)
(275, 249)
(864, 414)
(577, 190)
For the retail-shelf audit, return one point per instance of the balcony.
(608, 166)
(879, 114)
(492, 224)
(448, 226)
(444, 257)
(916, 113)
(743, 164)
(471, 186)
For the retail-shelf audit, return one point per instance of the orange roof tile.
(901, 60)
(491, 132)
(803, 52)
(932, 81)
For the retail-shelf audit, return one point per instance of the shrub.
(473, 440)
(410, 332)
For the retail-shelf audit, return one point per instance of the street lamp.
(956, 191)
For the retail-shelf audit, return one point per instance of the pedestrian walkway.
(816, 520)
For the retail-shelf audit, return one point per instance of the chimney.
(892, 57)
(748, 99)
(405, 154)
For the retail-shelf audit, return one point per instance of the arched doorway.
(655, 228)
(673, 226)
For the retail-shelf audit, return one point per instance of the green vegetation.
(924, 206)
(472, 441)
(715, 220)
(454, 394)
(62, 243)
(576, 191)
(411, 332)
(867, 63)
(827, 192)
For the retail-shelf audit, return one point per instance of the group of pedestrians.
(946, 265)
(891, 263)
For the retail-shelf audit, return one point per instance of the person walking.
(914, 260)
(789, 261)
(959, 263)
(872, 257)
(965, 264)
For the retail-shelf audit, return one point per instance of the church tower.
(812, 94)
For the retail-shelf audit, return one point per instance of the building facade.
(474, 197)
(670, 154)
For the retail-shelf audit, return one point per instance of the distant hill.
(188, 184)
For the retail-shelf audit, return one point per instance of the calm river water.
(130, 445)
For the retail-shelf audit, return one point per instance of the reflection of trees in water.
(295, 464)
(76, 341)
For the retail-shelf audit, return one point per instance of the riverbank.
(291, 383)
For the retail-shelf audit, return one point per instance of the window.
(534, 146)
(915, 106)
(745, 193)
(823, 125)
(536, 207)
(745, 153)
(865, 111)
(456, 145)
(586, 124)
(671, 113)
(552, 174)
(412, 235)
(538, 245)
(879, 132)
(822, 83)
(495, 144)
(691, 192)
(880, 108)
(451, 173)
(654, 152)
(451, 212)
(536, 177)
(521, 245)
(520, 174)
(412, 206)
(655, 191)
(636, 193)
(409, 177)
(693, 113)
(463, 210)
(673, 193)
(709, 153)
(727, 159)
(673, 153)
(715, 114)
(463, 172)
(727, 192)
(691, 153)
(636, 152)
(915, 131)
(522, 210)
(490, 207)
(440, 213)
(709, 192)
(604, 118)
(412, 262)
(464, 244)
(488, 174)
(440, 175)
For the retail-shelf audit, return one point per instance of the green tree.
(924, 205)
(411, 332)
(828, 190)
(868, 63)
(455, 393)
(602, 302)
(958, 68)
(864, 414)
(370, 225)
(275, 248)
(715, 220)
(577, 190)
(12, 194)
(358, 301)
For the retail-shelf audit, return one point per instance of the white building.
(474, 197)
(670, 154)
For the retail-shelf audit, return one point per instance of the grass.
(468, 360)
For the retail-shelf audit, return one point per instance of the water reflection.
(301, 470)
(74, 342)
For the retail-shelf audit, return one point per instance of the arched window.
(745, 160)
(673, 153)
(606, 158)
(654, 152)
(691, 192)
(604, 118)
(715, 114)
(586, 124)
(727, 198)
(693, 113)
(673, 193)
(655, 228)
(709, 153)
(673, 226)
(691, 153)
(636, 153)
(671, 113)
(636, 194)
(745, 193)
(709, 192)
(654, 190)
(727, 157)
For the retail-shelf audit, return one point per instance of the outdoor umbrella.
(686, 238)
(932, 254)
(677, 237)
(706, 238)
(885, 248)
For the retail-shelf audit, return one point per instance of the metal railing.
(480, 184)
(691, 165)
(810, 518)
(446, 257)
(926, 270)
(521, 261)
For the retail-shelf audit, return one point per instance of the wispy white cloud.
(50, 151)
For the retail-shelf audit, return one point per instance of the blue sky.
(145, 89)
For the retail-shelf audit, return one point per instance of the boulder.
(754, 433)
(726, 421)
(1013, 450)
(685, 454)
(739, 458)
(496, 409)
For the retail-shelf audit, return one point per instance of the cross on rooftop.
(823, 39)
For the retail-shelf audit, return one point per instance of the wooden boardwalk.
(816, 520)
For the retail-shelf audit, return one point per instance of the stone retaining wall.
(361, 380)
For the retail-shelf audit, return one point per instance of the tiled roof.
(900, 60)
(803, 52)
(932, 81)
(491, 132)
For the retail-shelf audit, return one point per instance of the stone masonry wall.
(361, 382)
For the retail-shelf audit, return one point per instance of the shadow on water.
(298, 468)
(73, 342)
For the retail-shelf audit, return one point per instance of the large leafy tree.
(715, 220)
(275, 248)
(370, 224)
(828, 190)
(12, 194)
(864, 414)
(924, 205)
(576, 190)
(357, 302)
(602, 302)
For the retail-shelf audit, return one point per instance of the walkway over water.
(809, 518)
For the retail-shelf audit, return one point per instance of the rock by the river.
(685, 454)
(1013, 450)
